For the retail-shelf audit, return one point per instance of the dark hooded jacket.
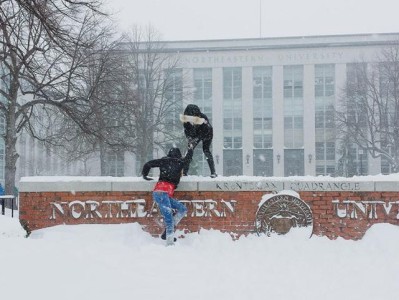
(201, 132)
(170, 166)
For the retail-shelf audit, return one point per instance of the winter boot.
(163, 236)
(170, 240)
(211, 164)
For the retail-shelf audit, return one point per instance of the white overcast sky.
(227, 19)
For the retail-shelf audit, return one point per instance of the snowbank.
(105, 262)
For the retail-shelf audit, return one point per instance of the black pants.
(206, 144)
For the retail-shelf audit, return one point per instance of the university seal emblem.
(279, 213)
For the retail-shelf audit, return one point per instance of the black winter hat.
(174, 153)
(192, 110)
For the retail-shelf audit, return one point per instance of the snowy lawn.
(124, 262)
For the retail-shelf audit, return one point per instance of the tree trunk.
(10, 168)
(103, 162)
(11, 155)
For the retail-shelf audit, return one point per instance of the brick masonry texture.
(347, 214)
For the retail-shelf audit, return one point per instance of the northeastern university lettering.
(91, 209)
(372, 210)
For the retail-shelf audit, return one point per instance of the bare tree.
(57, 16)
(369, 112)
(108, 125)
(135, 93)
(156, 83)
(40, 69)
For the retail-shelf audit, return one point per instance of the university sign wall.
(253, 205)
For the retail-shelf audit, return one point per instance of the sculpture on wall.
(280, 213)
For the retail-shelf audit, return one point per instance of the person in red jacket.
(170, 168)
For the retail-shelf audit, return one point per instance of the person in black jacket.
(197, 128)
(170, 168)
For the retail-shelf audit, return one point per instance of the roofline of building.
(315, 41)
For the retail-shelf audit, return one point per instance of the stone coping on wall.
(222, 183)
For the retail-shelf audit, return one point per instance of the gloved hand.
(192, 142)
(148, 178)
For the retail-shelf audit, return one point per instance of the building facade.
(271, 102)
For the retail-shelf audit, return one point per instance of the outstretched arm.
(147, 167)
(189, 154)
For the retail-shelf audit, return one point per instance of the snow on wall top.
(221, 183)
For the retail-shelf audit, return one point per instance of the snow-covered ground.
(124, 262)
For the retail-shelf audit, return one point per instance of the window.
(294, 162)
(293, 106)
(386, 166)
(362, 162)
(293, 81)
(232, 108)
(115, 163)
(203, 90)
(232, 162)
(324, 119)
(356, 160)
(232, 121)
(174, 97)
(324, 80)
(203, 98)
(263, 162)
(356, 92)
(262, 107)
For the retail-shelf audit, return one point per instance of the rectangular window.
(324, 118)
(203, 99)
(262, 107)
(232, 108)
(232, 121)
(362, 162)
(320, 151)
(356, 92)
(203, 90)
(330, 151)
(293, 106)
(263, 162)
(294, 162)
(232, 162)
(115, 163)
(324, 80)
(386, 167)
(174, 99)
(293, 81)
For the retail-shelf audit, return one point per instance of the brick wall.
(339, 209)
